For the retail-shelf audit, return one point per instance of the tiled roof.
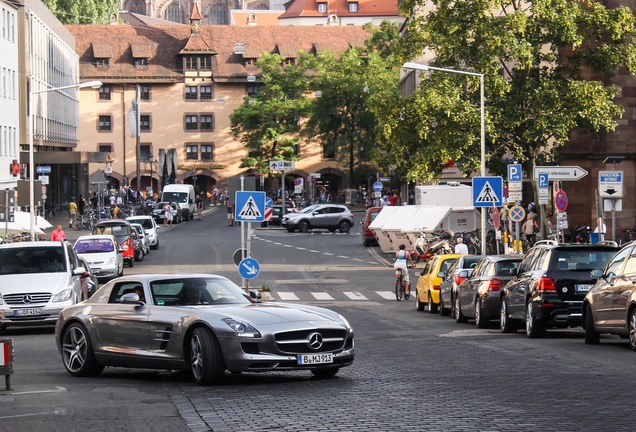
(197, 45)
(263, 17)
(195, 12)
(167, 41)
(287, 51)
(309, 8)
(101, 50)
(141, 50)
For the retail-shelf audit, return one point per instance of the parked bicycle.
(85, 222)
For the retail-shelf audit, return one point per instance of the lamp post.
(423, 67)
(152, 163)
(93, 84)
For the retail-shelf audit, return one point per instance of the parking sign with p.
(514, 173)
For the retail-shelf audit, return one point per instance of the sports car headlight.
(346, 323)
(242, 329)
(63, 296)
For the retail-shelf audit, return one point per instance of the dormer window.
(141, 62)
(102, 53)
(102, 62)
(322, 7)
(353, 7)
(141, 53)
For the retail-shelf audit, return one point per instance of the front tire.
(592, 337)
(632, 329)
(505, 323)
(419, 304)
(77, 352)
(206, 360)
(534, 327)
(399, 290)
(303, 226)
(459, 316)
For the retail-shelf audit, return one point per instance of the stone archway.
(202, 182)
(330, 185)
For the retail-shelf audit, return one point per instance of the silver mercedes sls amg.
(201, 323)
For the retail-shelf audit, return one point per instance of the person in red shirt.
(394, 199)
(58, 234)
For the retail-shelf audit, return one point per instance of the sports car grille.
(26, 298)
(313, 340)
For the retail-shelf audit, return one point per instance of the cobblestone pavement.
(446, 377)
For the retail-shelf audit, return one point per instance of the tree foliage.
(546, 65)
(84, 11)
(268, 122)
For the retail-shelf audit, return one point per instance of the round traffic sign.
(269, 202)
(249, 268)
(517, 213)
(496, 218)
(238, 255)
(561, 200)
(378, 186)
(298, 181)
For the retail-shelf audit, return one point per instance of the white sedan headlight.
(63, 296)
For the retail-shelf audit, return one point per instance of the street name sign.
(610, 184)
(556, 173)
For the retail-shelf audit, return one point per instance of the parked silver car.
(202, 323)
(330, 216)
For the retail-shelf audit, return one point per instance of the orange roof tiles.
(166, 42)
(309, 8)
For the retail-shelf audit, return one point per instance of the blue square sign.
(487, 191)
(250, 206)
(515, 173)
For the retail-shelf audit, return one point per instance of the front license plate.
(583, 287)
(27, 312)
(306, 359)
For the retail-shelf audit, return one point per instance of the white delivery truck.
(183, 196)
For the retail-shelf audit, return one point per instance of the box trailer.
(453, 195)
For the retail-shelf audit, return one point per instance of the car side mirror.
(513, 272)
(441, 274)
(464, 274)
(79, 271)
(255, 294)
(130, 298)
(596, 274)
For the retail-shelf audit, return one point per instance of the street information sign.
(610, 184)
(279, 165)
(556, 173)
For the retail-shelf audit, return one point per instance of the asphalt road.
(413, 371)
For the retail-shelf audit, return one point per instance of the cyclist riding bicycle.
(402, 258)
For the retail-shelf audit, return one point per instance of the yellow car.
(427, 289)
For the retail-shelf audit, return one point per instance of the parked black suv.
(549, 287)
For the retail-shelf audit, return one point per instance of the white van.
(183, 196)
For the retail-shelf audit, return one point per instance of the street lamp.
(93, 84)
(152, 163)
(423, 67)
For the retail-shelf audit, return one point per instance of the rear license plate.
(581, 288)
(27, 312)
(306, 359)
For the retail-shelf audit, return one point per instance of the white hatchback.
(150, 227)
(102, 253)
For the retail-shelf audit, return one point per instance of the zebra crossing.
(323, 296)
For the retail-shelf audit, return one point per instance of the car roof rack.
(607, 243)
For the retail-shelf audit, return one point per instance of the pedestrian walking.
(199, 202)
(58, 234)
(72, 212)
(81, 204)
(167, 214)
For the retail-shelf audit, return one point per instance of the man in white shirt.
(460, 247)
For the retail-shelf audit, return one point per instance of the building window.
(191, 93)
(191, 122)
(141, 62)
(219, 14)
(250, 62)
(144, 92)
(206, 92)
(105, 148)
(104, 92)
(353, 7)
(207, 152)
(192, 151)
(105, 123)
(253, 89)
(322, 7)
(145, 152)
(103, 62)
(190, 63)
(174, 13)
(207, 122)
(328, 151)
(205, 63)
(144, 123)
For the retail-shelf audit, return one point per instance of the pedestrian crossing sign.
(250, 206)
(487, 191)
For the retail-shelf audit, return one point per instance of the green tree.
(546, 65)
(268, 122)
(84, 11)
(354, 86)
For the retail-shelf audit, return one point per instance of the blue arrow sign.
(487, 191)
(249, 268)
(43, 169)
(378, 186)
(250, 206)
(268, 202)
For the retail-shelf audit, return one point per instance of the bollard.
(6, 361)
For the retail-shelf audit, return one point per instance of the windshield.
(32, 260)
(197, 291)
(581, 259)
(180, 197)
(144, 222)
(94, 246)
(310, 209)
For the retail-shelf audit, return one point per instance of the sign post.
(517, 213)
